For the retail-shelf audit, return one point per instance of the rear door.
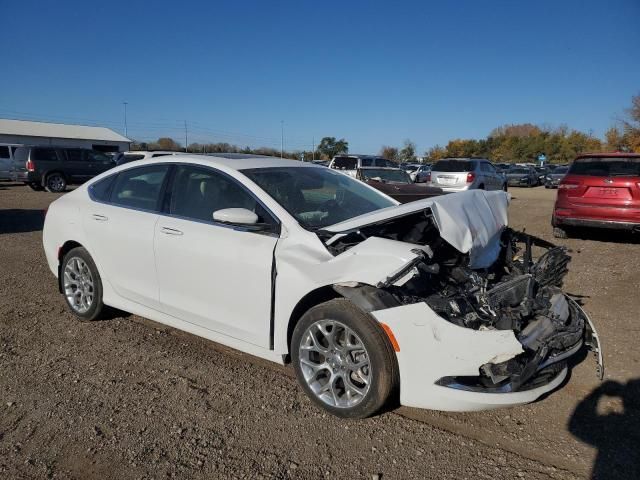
(607, 187)
(98, 162)
(120, 222)
(76, 165)
(5, 162)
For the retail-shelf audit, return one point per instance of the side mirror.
(238, 216)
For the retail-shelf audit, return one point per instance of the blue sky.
(373, 72)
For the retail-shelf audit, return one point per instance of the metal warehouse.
(62, 135)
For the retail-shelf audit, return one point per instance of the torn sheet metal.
(469, 221)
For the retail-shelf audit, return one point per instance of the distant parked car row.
(54, 168)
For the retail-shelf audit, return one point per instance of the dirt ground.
(129, 398)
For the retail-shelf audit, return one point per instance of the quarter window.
(139, 187)
(198, 192)
(4, 152)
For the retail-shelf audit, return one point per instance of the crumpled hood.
(470, 221)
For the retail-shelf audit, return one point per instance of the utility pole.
(125, 117)
(313, 148)
(281, 138)
(186, 137)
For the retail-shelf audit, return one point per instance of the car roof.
(381, 168)
(608, 154)
(234, 161)
(144, 152)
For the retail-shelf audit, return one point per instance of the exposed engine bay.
(519, 291)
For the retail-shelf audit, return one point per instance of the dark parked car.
(396, 183)
(542, 173)
(54, 168)
(552, 179)
(522, 176)
(599, 190)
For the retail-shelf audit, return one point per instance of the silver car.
(459, 174)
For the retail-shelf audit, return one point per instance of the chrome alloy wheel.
(55, 182)
(335, 364)
(78, 285)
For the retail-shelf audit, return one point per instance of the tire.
(36, 187)
(337, 317)
(505, 188)
(560, 233)
(481, 187)
(55, 183)
(81, 285)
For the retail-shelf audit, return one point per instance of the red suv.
(599, 190)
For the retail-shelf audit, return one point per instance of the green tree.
(408, 152)
(329, 147)
(436, 153)
(390, 153)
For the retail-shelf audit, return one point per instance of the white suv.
(459, 174)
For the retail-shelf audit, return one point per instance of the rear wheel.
(55, 183)
(82, 285)
(560, 232)
(343, 359)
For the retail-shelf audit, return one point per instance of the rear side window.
(606, 166)
(94, 156)
(44, 155)
(139, 187)
(345, 163)
(100, 190)
(131, 158)
(4, 152)
(159, 155)
(75, 155)
(454, 166)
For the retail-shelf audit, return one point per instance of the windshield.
(318, 197)
(560, 170)
(453, 166)
(398, 176)
(606, 166)
(345, 163)
(518, 171)
(411, 168)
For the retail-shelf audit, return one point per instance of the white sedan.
(437, 300)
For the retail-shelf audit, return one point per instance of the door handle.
(170, 231)
(99, 218)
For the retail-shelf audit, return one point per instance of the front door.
(215, 275)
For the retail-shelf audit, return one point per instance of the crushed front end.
(474, 338)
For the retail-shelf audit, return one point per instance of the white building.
(62, 135)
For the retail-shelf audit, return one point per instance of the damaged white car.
(437, 301)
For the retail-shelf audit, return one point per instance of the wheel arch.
(365, 297)
(45, 174)
(62, 251)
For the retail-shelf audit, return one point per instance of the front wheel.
(82, 285)
(343, 359)
(55, 183)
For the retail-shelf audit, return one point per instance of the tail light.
(471, 177)
(30, 166)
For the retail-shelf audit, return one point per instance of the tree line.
(508, 143)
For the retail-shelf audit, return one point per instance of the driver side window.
(198, 192)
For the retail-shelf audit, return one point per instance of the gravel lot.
(129, 398)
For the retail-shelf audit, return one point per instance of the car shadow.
(614, 432)
(605, 235)
(21, 221)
